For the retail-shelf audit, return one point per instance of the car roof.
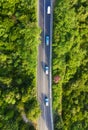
(46, 98)
(46, 67)
(48, 9)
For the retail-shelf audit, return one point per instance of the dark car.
(46, 100)
(46, 69)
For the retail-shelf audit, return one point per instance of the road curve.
(45, 121)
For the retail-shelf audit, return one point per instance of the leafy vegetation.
(19, 39)
(70, 62)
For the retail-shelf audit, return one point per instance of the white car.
(46, 70)
(46, 101)
(48, 10)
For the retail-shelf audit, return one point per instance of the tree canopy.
(19, 39)
(70, 62)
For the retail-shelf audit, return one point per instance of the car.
(48, 10)
(46, 69)
(47, 40)
(46, 100)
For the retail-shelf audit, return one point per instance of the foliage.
(19, 39)
(70, 46)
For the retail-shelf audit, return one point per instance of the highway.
(45, 121)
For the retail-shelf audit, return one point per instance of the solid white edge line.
(44, 63)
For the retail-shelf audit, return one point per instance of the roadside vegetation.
(70, 63)
(19, 39)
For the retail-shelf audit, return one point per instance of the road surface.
(43, 80)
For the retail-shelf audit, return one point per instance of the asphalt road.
(43, 81)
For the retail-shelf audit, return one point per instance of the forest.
(70, 63)
(19, 40)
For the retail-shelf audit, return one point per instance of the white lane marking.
(44, 44)
(44, 72)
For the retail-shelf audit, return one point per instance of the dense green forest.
(70, 63)
(19, 39)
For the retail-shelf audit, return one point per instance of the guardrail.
(51, 30)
